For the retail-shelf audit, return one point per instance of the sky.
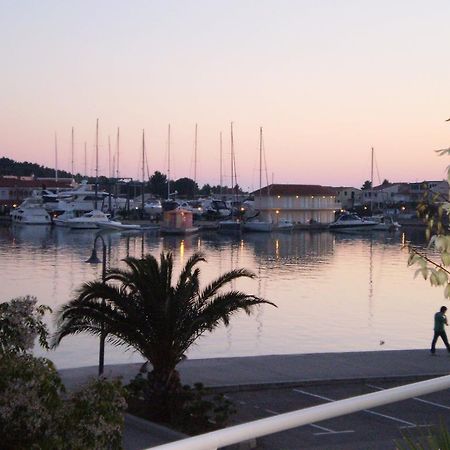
(327, 80)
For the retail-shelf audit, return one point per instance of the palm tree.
(140, 308)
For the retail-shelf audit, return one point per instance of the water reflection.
(334, 291)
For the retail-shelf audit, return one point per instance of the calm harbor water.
(335, 292)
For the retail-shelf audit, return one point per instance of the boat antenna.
(232, 161)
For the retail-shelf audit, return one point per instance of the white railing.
(282, 422)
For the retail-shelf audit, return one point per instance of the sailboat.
(233, 224)
(256, 224)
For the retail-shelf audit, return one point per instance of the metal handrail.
(306, 416)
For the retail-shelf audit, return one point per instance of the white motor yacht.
(88, 221)
(153, 207)
(62, 219)
(351, 221)
(31, 212)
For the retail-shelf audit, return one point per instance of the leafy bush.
(21, 323)
(192, 409)
(35, 413)
(435, 440)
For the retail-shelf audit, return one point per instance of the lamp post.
(94, 260)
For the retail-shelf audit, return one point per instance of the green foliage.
(30, 400)
(21, 322)
(435, 440)
(35, 413)
(26, 169)
(185, 187)
(193, 409)
(434, 262)
(158, 184)
(366, 186)
(142, 308)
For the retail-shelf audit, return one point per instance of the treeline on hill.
(156, 184)
(26, 169)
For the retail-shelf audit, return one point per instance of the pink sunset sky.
(327, 80)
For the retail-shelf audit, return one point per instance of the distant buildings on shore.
(299, 203)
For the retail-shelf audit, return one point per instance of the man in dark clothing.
(440, 320)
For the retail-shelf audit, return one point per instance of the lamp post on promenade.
(94, 260)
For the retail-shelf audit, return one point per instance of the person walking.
(440, 320)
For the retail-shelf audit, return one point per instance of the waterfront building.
(14, 190)
(298, 203)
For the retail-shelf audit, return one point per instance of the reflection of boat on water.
(351, 222)
(294, 248)
(37, 234)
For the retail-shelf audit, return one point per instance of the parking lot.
(377, 428)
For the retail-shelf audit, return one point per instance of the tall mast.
(85, 159)
(96, 165)
(71, 169)
(56, 161)
(371, 185)
(168, 163)
(260, 166)
(143, 162)
(195, 155)
(117, 159)
(232, 161)
(109, 156)
(221, 175)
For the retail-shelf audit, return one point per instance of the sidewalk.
(259, 372)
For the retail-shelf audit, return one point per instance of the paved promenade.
(259, 372)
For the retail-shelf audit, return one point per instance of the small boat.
(283, 225)
(116, 225)
(88, 221)
(351, 221)
(258, 225)
(153, 207)
(31, 212)
(385, 223)
(231, 225)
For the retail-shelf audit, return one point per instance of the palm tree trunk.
(164, 388)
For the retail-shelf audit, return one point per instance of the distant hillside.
(26, 169)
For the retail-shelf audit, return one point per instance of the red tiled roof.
(296, 189)
(36, 184)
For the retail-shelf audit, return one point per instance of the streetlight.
(94, 260)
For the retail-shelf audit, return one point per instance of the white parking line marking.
(326, 430)
(334, 432)
(410, 424)
(438, 405)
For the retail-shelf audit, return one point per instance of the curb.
(318, 381)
